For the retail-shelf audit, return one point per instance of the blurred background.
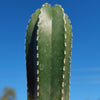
(85, 63)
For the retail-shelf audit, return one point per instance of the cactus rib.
(31, 56)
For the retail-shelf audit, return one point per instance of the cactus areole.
(48, 54)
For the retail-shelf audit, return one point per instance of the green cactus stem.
(48, 54)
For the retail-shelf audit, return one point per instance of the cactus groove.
(48, 54)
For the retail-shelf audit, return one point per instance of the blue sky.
(85, 64)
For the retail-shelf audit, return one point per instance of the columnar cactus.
(48, 54)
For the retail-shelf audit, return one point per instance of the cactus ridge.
(48, 54)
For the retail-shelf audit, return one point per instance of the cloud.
(93, 77)
(85, 82)
(91, 99)
(85, 69)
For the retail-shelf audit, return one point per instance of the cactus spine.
(48, 54)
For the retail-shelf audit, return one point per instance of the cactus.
(48, 54)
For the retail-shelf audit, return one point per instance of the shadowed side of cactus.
(48, 54)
